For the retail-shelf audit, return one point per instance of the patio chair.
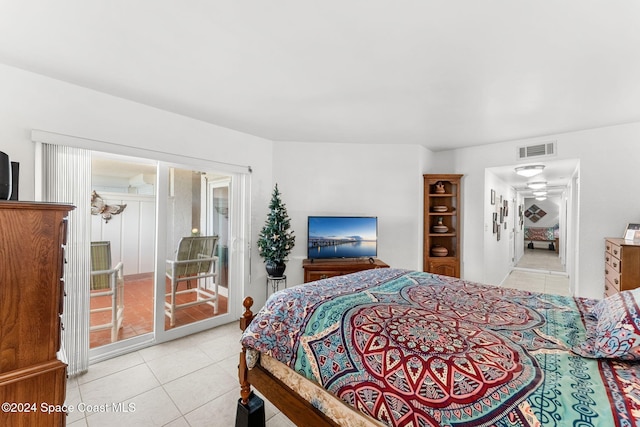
(195, 260)
(107, 281)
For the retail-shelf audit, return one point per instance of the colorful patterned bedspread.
(539, 233)
(417, 349)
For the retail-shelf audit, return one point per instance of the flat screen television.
(342, 237)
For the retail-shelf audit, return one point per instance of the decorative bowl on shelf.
(439, 208)
(440, 227)
(437, 250)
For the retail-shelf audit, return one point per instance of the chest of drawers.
(622, 265)
(31, 302)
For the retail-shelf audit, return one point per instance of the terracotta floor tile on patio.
(138, 310)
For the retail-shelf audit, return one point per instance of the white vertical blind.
(66, 178)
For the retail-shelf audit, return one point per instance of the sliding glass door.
(170, 230)
(123, 244)
(197, 237)
(127, 241)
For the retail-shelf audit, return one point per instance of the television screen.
(342, 237)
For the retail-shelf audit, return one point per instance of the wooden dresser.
(622, 265)
(31, 301)
(325, 268)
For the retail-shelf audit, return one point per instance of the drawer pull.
(606, 258)
(615, 252)
(615, 265)
(63, 231)
(617, 282)
(324, 276)
(606, 287)
(606, 271)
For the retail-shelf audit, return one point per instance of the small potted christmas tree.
(276, 239)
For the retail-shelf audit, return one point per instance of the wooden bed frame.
(284, 398)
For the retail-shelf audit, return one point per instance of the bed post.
(243, 370)
(250, 410)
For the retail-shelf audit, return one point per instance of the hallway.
(539, 270)
(540, 259)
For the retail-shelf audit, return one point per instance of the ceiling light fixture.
(541, 198)
(537, 185)
(540, 193)
(529, 171)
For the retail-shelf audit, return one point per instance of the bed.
(404, 348)
(542, 234)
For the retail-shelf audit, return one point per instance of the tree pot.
(275, 269)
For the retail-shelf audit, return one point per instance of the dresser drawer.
(614, 264)
(324, 269)
(312, 276)
(613, 249)
(609, 289)
(612, 276)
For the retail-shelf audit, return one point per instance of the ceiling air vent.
(538, 150)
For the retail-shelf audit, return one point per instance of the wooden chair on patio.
(195, 260)
(107, 281)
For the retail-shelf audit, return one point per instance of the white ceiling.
(557, 174)
(443, 74)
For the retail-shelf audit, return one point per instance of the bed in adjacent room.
(547, 235)
(406, 348)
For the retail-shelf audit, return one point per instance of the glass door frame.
(239, 265)
(238, 256)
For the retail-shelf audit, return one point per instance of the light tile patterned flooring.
(193, 381)
(539, 270)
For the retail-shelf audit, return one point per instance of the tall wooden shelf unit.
(442, 191)
(31, 302)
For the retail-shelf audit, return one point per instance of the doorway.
(547, 213)
(543, 227)
(144, 210)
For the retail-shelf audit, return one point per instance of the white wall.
(354, 179)
(551, 207)
(30, 101)
(608, 198)
(382, 180)
(498, 253)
